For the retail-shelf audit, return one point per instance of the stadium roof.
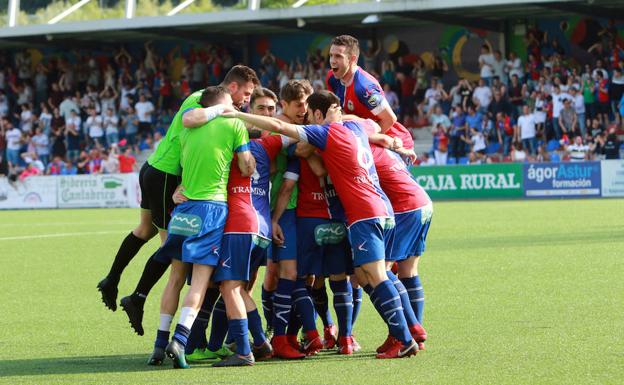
(330, 19)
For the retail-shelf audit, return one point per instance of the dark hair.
(241, 74)
(321, 101)
(352, 44)
(212, 95)
(261, 92)
(295, 89)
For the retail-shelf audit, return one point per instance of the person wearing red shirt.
(602, 89)
(127, 162)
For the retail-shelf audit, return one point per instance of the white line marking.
(54, 224)
(60, 235)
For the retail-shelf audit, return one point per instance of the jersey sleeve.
(314, 134)
(274, 143)
(370, 95)
(241, 137)
(293, 169)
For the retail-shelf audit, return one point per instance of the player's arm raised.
(197, 117)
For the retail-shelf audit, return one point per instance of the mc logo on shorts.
(185, 224)
(329, 234)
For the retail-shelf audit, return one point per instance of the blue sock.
(181, 334)
(219, 327)
(408, 312)
(282, 304)
(294, 323)
(267, 306)
(197, 339)
(343, 304)
(238, 329)
(357, 303)
(304, 306)
(416, 295)
(162, 339)
(389, 307)
(255, 327)
(321, 304)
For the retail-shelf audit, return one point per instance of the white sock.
(187, 317)
(165, 322)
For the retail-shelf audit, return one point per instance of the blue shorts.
(371, 240)
(194, 233)
(241, 255)
(323, 248)
(410, 235)
(288, 251)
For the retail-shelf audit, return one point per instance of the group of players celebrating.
(322, 191)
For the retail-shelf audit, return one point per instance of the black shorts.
(157, 188)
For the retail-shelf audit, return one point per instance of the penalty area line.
(59, 235)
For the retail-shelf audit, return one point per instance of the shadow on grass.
(131, 363)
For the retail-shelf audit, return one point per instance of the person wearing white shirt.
(498, 67)
(42, 146)
(526, 130)
(477, 140)
(558, 98)
(68, 105)
(110, 164)
(111, 125)
(13, 137)
(144, 109)
(485, 63)
(26, 119)
(94, 127)
(483, 94)
(514, 66)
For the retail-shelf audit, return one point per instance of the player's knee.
(408, 267)
(288, 270)
(145, 231)
(338, 277)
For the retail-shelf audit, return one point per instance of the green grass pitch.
(517, 292)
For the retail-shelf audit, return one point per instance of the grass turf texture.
(517, 292)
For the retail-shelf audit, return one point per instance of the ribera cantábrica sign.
(499, 180)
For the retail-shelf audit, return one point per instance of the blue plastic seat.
(492, 148)
(451, 160)
(554, 157)
(463, 160)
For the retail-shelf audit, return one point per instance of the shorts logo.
(262, 243)
(215, 250)
(361, 246)
(226, 263)
(329, 234)
(185, 224)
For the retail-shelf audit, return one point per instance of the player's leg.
(368, 240)
(285, 257)
(197, 343)
(218, 330)
(168, 306)
(356, 294)
(261, 348)
(337, 263)
(268, 289)
(237, 324)
(321, 305)
(408, 271)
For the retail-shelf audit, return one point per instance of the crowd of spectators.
(80, 112)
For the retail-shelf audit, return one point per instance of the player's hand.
(178, 197)
(229, 112)
(278, 234)
(334, 113)
(410, 155)
(397, 143)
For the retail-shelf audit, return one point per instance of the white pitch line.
(60, 235)
(55, 224)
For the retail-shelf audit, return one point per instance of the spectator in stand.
(518, 154)
(30, 170)
(457, 132)
(476, 142)
(558, 98)
(13, 137)
(26, 118)
(68, 105)
(94, 128)
(127, 162)
(526, 130)
(588, 90)
(436, 116)
(56, 166)
(513, 66)
(498, 67)
(617, 94)
(69, 169)
(41, 143)
(539, 113)
(57, 135)
(568, 119)
(111, 125)
(72, 132)
(391, 97)
(131, 124)
(578, 151)
(473, 158)
(517, 92)
(408, 84)
(504, 131)
(144, 110)
(461, 94)
(611, 145)
(603, 106)
(440, 144)
(485, 64)
(473, 119)
(482, 96)
(433, 95)
(110, 165)
(498, 104)
(578, 102)
(487, 128)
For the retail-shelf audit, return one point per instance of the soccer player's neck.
(348, 78)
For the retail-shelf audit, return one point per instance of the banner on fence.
(580, 179)
(500, 180)
(35, 192)
(115, 190)
(612, 176)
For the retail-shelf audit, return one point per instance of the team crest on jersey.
(350, 105)
(185, 224)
